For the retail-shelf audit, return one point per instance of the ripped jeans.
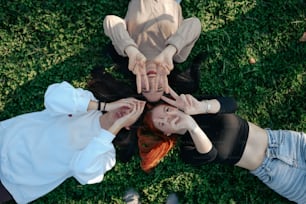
(284, 167)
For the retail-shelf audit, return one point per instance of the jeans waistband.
(271, 143)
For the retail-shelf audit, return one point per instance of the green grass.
(43, 42)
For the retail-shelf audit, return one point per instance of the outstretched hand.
(164, 62)
(181, 122)
(161, 75)
(185, 102)
(165, 58)
(137, 65)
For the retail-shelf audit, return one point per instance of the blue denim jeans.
(284, 168)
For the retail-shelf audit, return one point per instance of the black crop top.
(227, 132)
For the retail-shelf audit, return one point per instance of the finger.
(133, 111)
(173, 93)
(175, 113)
(166, 68)
(146, 82)
(173, 123)
(130, 100)
(168, 100)
(186, 100)
(156, 81)
(127, 101)
(132, 66)
(142, 104)
(183, 97)
(138, 83)
(127, 105)
(139, 108)
(175, 120)
(189, 100)
(170, 67)
(166, 85)
(144, 77)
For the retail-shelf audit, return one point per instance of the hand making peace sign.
(184, 102)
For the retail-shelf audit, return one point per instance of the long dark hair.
(107, 88)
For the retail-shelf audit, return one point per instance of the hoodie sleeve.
(63, 98)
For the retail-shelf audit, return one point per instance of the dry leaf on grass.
(303, 38)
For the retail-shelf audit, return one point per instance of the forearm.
(200, 139)
(185, 37)
(170, 50)
(130, 51)
(115, 29)
(114, 129)
(218, 105)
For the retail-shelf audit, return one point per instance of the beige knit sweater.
(151, 25)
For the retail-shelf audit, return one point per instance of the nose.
(152, 82)
(162, 120)
(167, 119)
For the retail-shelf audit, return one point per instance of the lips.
(151, 73)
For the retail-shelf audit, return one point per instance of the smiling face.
(162, 118)
(152, 95)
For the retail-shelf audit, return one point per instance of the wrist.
(114, 129)
(206, 106)
(191, 124)
(129, 50)
(171, 50)
(101, 106)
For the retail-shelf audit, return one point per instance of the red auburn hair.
(152, 143)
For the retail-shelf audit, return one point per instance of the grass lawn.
(43, 42)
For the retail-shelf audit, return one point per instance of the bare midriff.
(255, 149)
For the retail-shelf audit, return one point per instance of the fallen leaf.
(303, 38)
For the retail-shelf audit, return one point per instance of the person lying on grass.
(213, 133)
(152, 35)
(106, 87)
(71, 137)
